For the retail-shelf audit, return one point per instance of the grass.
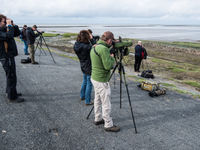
(50, 34)
(192, 83)
(168, 85)
(66, 35)
(187, 44)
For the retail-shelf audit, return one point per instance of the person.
(102, 62)
(8, 51)
(138, 56)
(31, 36)
(82, 49)
(93, 39)
(24, 39)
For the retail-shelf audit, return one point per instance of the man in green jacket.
(102, 62)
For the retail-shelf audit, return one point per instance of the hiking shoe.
(35, 63)
(99, 122)
(112, 129)
(19, 94)
(18, 100)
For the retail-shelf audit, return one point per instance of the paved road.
(53, 118)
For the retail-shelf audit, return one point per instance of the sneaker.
(26, 54)
(91, 103)
(82, 99)
(35, 63)
(112, 129)
(18, 100)
(99, 122)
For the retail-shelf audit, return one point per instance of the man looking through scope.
(31, 36)
(102, 62)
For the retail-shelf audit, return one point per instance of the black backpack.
(147, 74)
(26, 61)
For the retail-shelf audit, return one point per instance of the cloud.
(143, 9)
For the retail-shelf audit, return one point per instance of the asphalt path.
(53, 118)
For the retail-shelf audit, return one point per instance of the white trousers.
(102, 105)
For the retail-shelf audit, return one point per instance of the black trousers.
(11, 78)
(137, 64)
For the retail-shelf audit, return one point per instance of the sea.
(186, 33)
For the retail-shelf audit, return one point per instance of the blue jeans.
(25, 47)
(86, 88)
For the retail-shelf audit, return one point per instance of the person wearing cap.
(24, 39)
(102, 62)
(31, 36)
(8, 51)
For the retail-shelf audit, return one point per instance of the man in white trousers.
(102, 62)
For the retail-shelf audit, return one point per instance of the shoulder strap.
(96, 52)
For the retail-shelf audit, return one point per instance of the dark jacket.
(31, 36)
(23, 34)
(8, 37)
(138, 51)
(82, 50)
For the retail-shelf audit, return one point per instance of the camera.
(120, 46)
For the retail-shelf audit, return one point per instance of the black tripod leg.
(48, 49)
(126, 85)
(120, 74)
(90, 112)
(113, 71)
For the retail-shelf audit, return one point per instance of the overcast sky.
(102, 11)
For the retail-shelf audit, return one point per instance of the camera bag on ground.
(26, 61)
(153, 88)
(147, 74)
(157, 92)
(149, 86)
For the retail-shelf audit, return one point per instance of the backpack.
(149, 86)
(147, 74)
(144, 53)
(26, 61)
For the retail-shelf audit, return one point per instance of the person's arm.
(16, 31)
(6, 35)
(107, 60)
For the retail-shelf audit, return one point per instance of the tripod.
(120, 67)
(39, 44)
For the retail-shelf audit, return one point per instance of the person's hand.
(112, 55)
(8, 22)
(91, 37)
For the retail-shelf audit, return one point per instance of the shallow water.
(145, 32)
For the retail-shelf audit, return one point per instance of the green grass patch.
(66, 35)
(168, 85)
(187, 44)
(192, 83)
(177, 70)
(50, 34)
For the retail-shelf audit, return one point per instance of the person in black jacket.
(138, 56)
(8, 51)
(31, 36)
(82, 49)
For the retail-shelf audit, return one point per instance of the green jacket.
(101, 63)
